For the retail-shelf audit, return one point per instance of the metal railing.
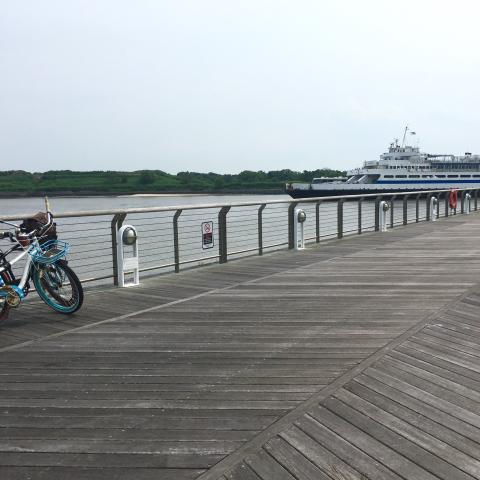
(170, 238)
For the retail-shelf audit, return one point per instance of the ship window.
(400, 176)
(452, 176)
(388, 176)
(465, 176)
(414, 176)
(440, 176)
(476, 176)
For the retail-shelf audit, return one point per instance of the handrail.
(170, 208)
(172, 236)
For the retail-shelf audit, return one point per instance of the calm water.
(13, 206)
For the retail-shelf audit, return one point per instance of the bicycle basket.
(49, 252)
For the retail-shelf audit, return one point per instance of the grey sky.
(217, 85)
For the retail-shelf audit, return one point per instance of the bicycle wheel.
(4, 306)
(59, 287)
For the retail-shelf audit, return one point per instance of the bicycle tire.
(49, 280)
(4, 306)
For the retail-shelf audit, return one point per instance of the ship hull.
(312, 193)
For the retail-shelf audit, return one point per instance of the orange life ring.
(453, 199)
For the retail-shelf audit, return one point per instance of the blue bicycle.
(45, 266)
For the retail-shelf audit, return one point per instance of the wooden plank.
(372, 457)
(419, 460)
(417, 392)
(432, 440)
(458, 434)
(242, 472)
(266, 467)
(79, 473)
(293, 461)
(316, 453)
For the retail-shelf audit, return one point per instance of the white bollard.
(384, 208)
(127, 237)
(433, 209)
(298, 231)
(468, 203)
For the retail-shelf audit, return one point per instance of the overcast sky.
(224, 86)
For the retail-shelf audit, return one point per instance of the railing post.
(417, 208)
(438, 205)
(433, 207)
(467, 203)
(405, 209)
(383, 209)
(260, 228)
(340, 218)
(428, 207)
(291, 225)
(377, 213)
(222, 234)
(317, 222)
(462, 202)
(116, 223)
(447, 204)
(360, 202)
(475, 198)
(392, 202)
(176, 247)
(299, 230)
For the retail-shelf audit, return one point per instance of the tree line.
(17, 182)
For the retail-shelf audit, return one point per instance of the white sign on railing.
(207, 235)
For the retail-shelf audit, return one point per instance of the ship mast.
(404, 135)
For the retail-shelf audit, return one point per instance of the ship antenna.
(404, 135)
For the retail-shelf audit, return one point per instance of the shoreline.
(5, 195)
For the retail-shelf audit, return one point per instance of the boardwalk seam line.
(215, 472)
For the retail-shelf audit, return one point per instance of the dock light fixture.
(468, 203)
(384, 208)
(298, 231)
(433, 209)
(129, 236)
(301, 216)
(127, 256)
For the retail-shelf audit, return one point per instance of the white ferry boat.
(402, 169)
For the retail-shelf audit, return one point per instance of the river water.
(13, 206)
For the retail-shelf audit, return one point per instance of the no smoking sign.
(207, 235)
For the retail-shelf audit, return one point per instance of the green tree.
(147, 177)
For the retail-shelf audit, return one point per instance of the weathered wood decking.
(356, 357)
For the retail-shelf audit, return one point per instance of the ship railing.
(173, 238)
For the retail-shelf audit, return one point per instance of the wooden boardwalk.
(354, 359)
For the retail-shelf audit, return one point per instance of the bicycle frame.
(26, 268)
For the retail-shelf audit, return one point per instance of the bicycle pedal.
(13, 300)
(13, 295)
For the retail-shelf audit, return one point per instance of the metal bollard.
(127, 237)
(384, 208)
(433, 209)
(468, 203)
(298, 232)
